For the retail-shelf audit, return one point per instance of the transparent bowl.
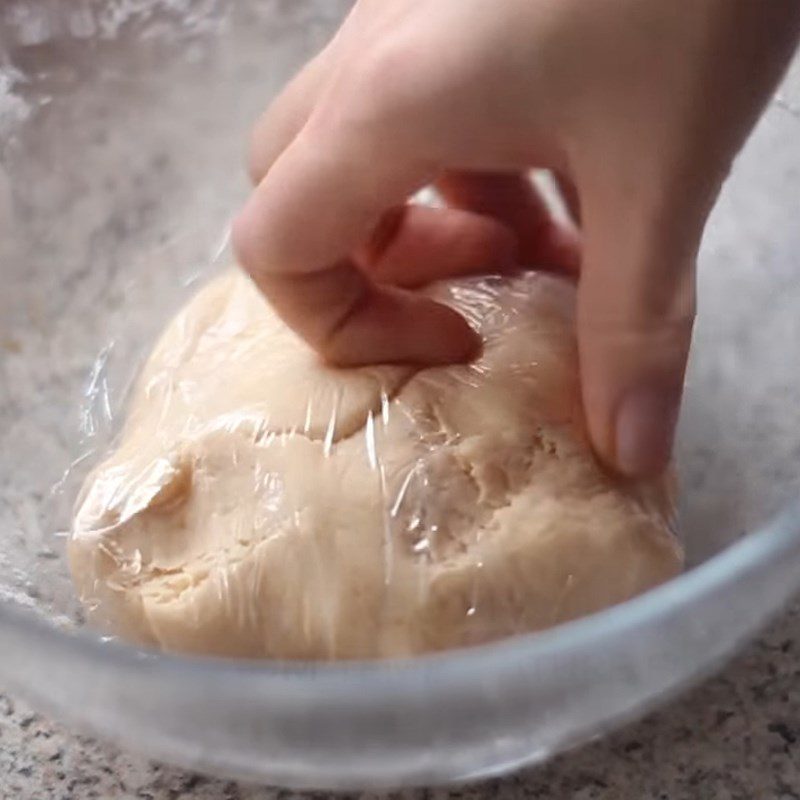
(122, 126)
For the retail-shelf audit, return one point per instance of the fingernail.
(645, 430)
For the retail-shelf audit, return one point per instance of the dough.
(261, 504)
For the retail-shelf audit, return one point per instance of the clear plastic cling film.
(258, 503)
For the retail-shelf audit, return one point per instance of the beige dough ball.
(261, 504)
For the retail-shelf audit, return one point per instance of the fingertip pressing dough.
(263, 505)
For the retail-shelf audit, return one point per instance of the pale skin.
(638, 106)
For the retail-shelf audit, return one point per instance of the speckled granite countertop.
(737, 737)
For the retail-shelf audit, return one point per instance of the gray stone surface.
(737, 737)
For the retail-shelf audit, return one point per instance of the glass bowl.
(121, 126)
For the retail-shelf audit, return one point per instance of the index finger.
(318, 203)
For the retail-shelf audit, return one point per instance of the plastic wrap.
(261, 504)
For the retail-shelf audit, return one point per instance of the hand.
(639, 106)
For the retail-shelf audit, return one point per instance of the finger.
(285, 117)
(415, 245)
(636, 302)
(320, 200)
(351, 321)
(513, 200)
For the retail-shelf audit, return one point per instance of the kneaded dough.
(261, 504)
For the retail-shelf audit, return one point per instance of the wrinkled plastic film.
(260, 504)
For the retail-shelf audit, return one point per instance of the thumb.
(636, 305)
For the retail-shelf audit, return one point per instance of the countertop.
(736, 737)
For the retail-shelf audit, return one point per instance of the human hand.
(639, 106)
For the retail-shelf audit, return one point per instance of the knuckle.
(650, 301)
(376, 90)
(385, 69)
(639, 327)
(662, 329)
